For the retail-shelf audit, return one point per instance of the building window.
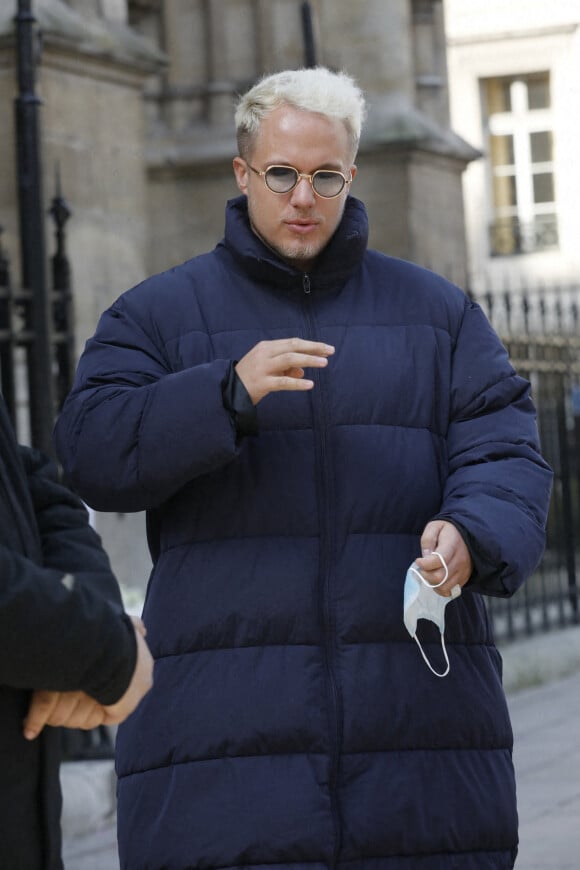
(518, 122)
(146, 17)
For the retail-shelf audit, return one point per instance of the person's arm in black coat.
(62, 625)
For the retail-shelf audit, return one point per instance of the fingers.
(41, 706)
(61, 709)
(271, 366)
(139, 626)
(430, 536)
(295, 373)
(444, 552)
(87, 714)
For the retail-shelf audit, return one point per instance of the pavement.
(542, 681)
(546, 722)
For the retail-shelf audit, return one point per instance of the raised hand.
(271, 366)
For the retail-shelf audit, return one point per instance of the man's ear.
(241, 173)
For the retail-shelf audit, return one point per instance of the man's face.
(299, 224)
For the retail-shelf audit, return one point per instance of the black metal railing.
(543, 311)
(541, 332)
(19, 340)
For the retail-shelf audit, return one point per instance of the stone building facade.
(410, 162)
(137, 113)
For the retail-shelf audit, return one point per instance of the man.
(303, 419)
(68, 654)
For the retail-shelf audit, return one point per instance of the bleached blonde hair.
(317, 89)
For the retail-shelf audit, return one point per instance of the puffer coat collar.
(337, 261)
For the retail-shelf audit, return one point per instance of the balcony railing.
(510, 236)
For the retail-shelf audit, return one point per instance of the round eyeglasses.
(327, 183)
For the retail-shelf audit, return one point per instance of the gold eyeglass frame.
(310, 177)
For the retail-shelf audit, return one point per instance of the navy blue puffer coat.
(293, 723)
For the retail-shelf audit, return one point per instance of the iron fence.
(540, 330)
(19, 357)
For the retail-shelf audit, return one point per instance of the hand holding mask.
(422, 602)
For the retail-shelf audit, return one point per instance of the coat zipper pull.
(306, 284)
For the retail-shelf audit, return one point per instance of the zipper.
(326, 550)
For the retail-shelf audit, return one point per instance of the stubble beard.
(298, 253)
(295, 253)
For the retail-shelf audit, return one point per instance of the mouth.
(301, 226)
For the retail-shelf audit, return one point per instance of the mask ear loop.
(426, 582)
(416, 639)
(428, 663)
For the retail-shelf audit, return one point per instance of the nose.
(303, 193)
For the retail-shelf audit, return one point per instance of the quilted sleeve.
(133, 431)
(498, 486)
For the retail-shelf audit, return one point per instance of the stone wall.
(396, 51)
(93, 130)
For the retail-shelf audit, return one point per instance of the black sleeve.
(56, 634)
(239, 405)
(69, 542)
(62, 624)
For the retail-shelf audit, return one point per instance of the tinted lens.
(281, 179)
(328, 183)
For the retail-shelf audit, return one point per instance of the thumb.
(430, 537)
(42, 703)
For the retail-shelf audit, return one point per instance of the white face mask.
(422, 602)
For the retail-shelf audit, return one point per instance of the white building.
(514, 80)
